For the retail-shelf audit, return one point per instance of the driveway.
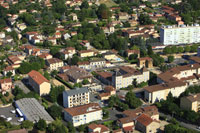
(6, 112)
(22, 86)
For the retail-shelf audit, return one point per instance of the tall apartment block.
(182, 34)
(75, 97)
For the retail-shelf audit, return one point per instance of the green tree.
(133, 56)
(144, 19)
(55, 111)
(46, 75)
(9, 74)
(54, 51)
(180, 49)
(71, 127)
(85, 81)
(84, 5)
(41, 125)
(27, 124)
(187, 48)
(150, 51)
(170, 59)
(57, 127)
(132, 100)
(167, 50)
(74, 60)
(103, 12)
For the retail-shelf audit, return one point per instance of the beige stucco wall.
(45, 88)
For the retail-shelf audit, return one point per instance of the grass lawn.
(109, 3)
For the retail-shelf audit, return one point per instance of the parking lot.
(6, 112)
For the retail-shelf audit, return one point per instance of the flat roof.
(76, 91)
(33, 110)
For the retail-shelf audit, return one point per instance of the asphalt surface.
(6, 112)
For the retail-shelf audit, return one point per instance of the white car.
(13, 111)
(9, 119)
(20, 120)
(3, 116)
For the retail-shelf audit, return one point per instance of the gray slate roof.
(76, 91)
(33, 110)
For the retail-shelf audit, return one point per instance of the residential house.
(145, 62)
(21, 26)
(123, 16)
(45, 56)
(52, 40)
(68, 52)
(83, 114)
(39, 83)
(5, 84)
(2, 35)
(143, 119)
(86, 53)
(98, 128)
(74, 17)
(29, 35)
(76, 97)
(146, 124)
(126, 124)
(130, 52)
(191, 102)
(75, 74)
(108, 92)
(9, 69)
(92, 64)
(14, 61)
(54, 63)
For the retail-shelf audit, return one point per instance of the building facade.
(173, 35)
(83, 114)
(191, 102)
(76, 97)
(159, 92)
(39, 83)
(54, 63)
(126, 75)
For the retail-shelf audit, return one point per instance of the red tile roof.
(144, 119)
(8, 80)
(37, 77)
(94, 126)
(83, 109)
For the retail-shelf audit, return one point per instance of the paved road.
(186, 125)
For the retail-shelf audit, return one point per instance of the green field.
(109, 3)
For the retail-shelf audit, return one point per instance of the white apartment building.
(183, 34)
(159, 92)
(126, 75)
(83, 114)
(76, 97)
(93, 64)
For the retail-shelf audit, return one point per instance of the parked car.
(13, 111)
(9, 119)
(3, 116)
(20, 120)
